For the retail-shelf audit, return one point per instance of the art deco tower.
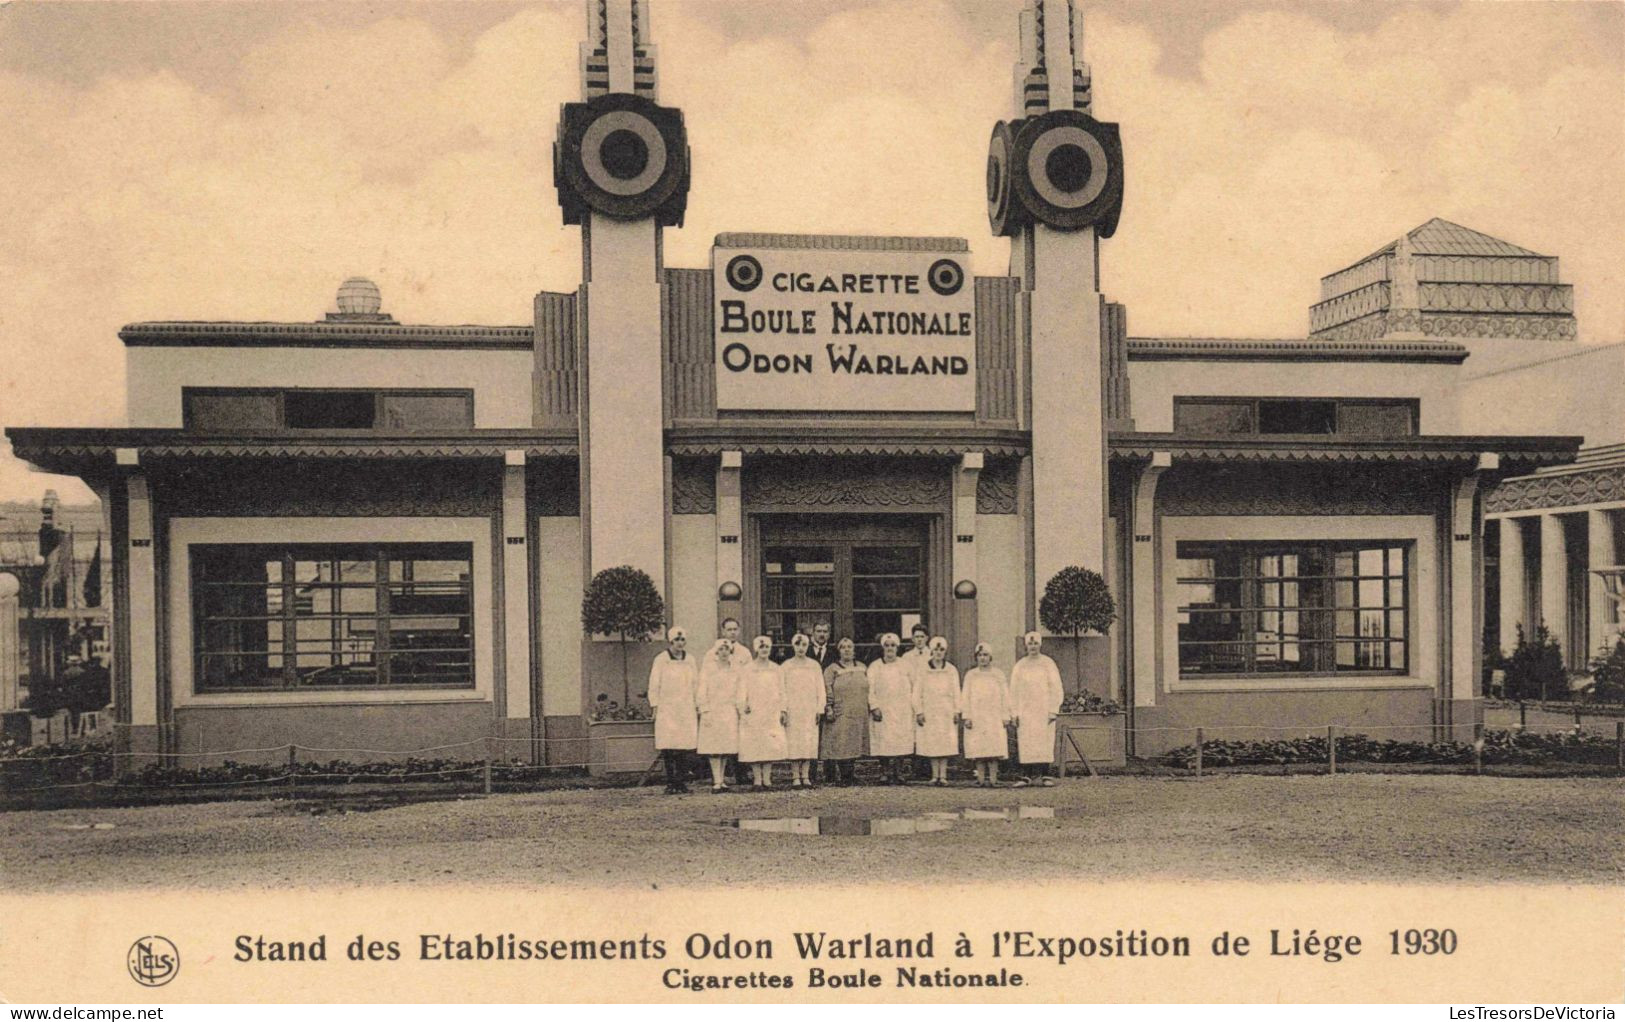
(1055, 187)
(621, 168)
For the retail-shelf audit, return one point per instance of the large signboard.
(801, 329)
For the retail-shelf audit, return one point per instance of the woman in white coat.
(674, 683)
(936, 710)
(718, 699)
(804, 702)
(762, 714)
(984, 705)
(1035, 702)
(891, 709)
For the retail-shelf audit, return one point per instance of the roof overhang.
(95, 452)
(1513, 453)
(875, 440)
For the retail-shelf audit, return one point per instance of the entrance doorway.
(866, 576)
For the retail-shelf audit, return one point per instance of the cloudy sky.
(236, 161)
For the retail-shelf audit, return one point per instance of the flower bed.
(1500, 747)
(37, 766)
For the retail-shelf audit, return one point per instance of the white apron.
(804, 699)
(984, 701)
(936, 694)
(891, 692)
(1035, 693)
(673, 695)
(718, 698)
(761, 700)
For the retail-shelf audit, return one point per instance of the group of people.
(822, 703)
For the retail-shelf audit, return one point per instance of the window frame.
(1253, 551)
(1411, 404)
(382, 584)
(379, 396)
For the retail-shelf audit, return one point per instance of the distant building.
(55, 554)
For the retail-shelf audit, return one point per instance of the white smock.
(761, 701)
(936, 695)
(891, 691)
(804, 699)
(673, 695)
(718, 698)
(1035, 694)
(984, 702)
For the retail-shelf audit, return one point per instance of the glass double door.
(862, 577)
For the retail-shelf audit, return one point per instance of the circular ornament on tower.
(1005, 213)
(623, 156)
(1068, 171)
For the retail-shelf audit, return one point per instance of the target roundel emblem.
(1069, 171)
(744, 273)
(1004, 212)
(624, 156)
(946, 277)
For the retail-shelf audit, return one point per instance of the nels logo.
(153, 961)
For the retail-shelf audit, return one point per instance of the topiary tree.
(622, 602)
(1076, 600)
(1608, 674)
(1535, 669)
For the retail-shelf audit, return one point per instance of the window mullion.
(381, 602)
(290, 624)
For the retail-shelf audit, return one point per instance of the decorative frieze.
(996, 487)
(299, 488)
(1300, 490)
(693, 486)
(1572, 489)
(846, 485)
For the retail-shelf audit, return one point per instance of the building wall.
(1580, 392)
(558, 542)
(399, 719)
(1155, 384)
(501, 380)
(1224, 705)
(1001, 588)
(694, 577)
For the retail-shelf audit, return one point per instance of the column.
(1466, 627)
(1144, 589)
(1604, 624)
(143, 607)
(515, 593)
(730, 534)
(963, 531)
(622, 427)
(1513, 584)
(1554, 579)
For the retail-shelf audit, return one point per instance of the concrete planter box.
(1099, 735)
(619, 746)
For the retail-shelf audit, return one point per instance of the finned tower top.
(618, 56)
(1051, 74)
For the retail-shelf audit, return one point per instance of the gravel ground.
(1350, 828)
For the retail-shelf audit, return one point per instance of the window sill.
(1300, 683)
(330, 697)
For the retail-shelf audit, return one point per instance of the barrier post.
(1578, 723)
(1523, 715)
(1199, 743)
(1619, 744)
(1331, 749)
(488, 765)
(293, 759)
(1478, 748)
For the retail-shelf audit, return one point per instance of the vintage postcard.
(843, 501)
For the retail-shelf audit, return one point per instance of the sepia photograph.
(770, 466)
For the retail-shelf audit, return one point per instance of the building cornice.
(326, 335)
(1228, 349)
(874, 439)
(1521, 453)
(843, 242)
(74, 451)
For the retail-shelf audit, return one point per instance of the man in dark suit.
(822, 650)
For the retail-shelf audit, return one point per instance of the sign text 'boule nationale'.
(844, 329)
